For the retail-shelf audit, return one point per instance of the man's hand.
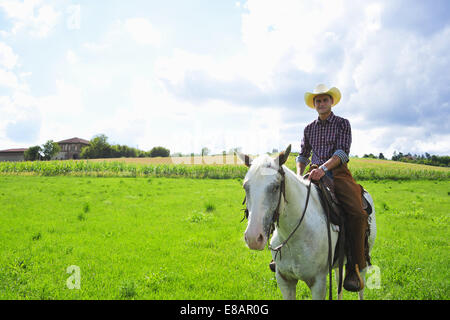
(316, 174)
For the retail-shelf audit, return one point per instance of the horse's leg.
(287, 287)
(318, 287)
(363, 277)
(336, 273)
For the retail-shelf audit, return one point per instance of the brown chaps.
(348, 193)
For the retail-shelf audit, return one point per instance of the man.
(329, 139)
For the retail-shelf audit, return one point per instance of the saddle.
(328, 198)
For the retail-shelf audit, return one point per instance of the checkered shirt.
(324, 139)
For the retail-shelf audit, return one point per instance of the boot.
(356, 257)
(353, 281)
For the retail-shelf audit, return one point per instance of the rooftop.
(74, 140)
(14, 150)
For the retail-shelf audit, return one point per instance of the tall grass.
(361, 170)
(121, 169)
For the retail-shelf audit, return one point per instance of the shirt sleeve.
(305, 150)
(344, 141)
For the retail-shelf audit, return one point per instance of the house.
(13, 154)
(71, 148)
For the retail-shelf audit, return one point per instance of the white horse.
(305, 255)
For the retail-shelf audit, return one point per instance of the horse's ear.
(283, 156)
(245, 158)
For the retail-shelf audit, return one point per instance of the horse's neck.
(296, 196)
(296, 190)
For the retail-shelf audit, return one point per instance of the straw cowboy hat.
(322, 89)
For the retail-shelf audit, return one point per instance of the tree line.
(99, 148)
(426, 158)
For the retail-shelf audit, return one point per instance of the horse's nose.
(256, 242)
(260, 238)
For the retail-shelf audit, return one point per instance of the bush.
(159, 152)
(32, 153)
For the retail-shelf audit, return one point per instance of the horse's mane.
(265, 161)
(295, 176)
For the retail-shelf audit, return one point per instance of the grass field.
(166, 238)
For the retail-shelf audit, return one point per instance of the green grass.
(165, 238)
(412, 246)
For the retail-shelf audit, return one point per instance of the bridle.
(276, 214)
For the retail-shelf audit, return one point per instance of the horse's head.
(263, 187)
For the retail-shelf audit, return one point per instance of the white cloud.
(20, 121)
(8, 58)
(72, 57)
(45, 21)
(8, 79)
(121, 35)
(74, 19)
(176, 67)
(291, 29)
(142, 31)
(96, 47)
(67, 101)
(33, 16)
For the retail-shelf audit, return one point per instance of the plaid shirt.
(332, 136)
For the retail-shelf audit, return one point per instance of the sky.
(224, 74)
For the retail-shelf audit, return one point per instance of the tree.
(235, 150)
(381, 156)
(159, 152)
(118, 151)
(98, 148)
(205, 151)
(50, 149)
(33, 153)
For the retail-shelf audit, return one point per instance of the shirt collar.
(330, 119)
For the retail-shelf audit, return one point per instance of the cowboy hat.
(322, 89)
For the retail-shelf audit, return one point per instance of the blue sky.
(224, 74)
